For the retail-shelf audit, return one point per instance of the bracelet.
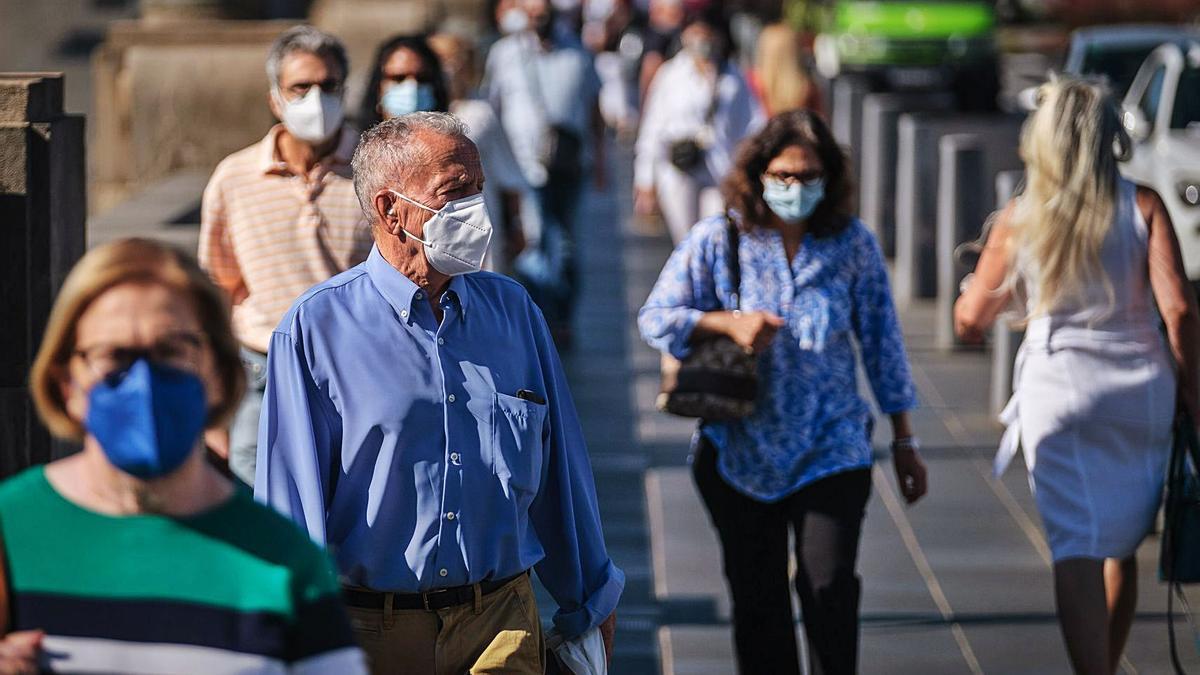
(906, 443)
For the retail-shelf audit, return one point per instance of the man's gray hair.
(388, 152)
(308, 40)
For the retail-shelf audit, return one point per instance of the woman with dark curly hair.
(813, 284)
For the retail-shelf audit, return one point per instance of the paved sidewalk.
(959, 583)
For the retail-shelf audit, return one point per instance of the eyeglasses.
(182, 351)
(788, 178)
(330, 86)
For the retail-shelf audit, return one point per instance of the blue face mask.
(407, 97)
(148, 418)
(793, 203)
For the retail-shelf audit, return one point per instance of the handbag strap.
(735, 264)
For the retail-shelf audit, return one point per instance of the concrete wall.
(175, 96)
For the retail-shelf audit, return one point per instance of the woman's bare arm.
(984, 299)
(1174, 295)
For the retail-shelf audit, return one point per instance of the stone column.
(42, 215)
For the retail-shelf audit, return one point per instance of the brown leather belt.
(440, 598)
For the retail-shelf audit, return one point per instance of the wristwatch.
(906, 443)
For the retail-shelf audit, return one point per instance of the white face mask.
(513, 20)
(457, 236)
(312, 118)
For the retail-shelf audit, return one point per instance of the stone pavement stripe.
(1022, 518)
(884, 489)
(955, 426)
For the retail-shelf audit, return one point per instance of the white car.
(1116, 52)
(1161, 111)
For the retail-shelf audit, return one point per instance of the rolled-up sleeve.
(685, 290)
(877, 328)
(297, 435)
(576, 569)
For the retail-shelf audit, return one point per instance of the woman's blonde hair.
(107, 266)
(1070, 146)
(778, 61)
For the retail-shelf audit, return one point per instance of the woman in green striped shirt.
(135, 555)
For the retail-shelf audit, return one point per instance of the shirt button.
(454, 457)
(441, 341)
(450, 516)
(450, 398)
(419, 295)
(442, 572)
(404, 314)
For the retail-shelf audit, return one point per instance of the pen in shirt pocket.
(530, 395)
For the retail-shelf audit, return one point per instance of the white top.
(676, 107)
(533, 88)
(501, 174)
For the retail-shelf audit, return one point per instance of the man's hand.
(753, 331)
(19, 652)
(607, 630)
(910, 473)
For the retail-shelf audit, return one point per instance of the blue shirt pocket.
(517, 442)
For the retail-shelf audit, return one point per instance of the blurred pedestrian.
(505, 190)
(544, 87)
(418, 424)
(135, 555)
(813, 291)
(280, 215)
(781, 78)
(660, 40)
(406, 76)
(1096, 387)
(698, 109)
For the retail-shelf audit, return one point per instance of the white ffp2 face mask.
(457, 236)
(312, 118)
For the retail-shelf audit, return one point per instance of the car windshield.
(1117, 63)
(1186, 114)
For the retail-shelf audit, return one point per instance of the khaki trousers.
(499, 634)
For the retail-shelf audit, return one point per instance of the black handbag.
(687, 154)
(718, 380)
(561, 152)
(1179, 558)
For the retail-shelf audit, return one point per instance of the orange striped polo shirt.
(267, 235)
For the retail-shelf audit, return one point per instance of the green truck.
(904, 45)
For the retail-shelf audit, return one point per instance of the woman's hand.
(644, 202)
(910, 472)
(19, 652)
(753, 331)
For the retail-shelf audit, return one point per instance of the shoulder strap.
(735, 265)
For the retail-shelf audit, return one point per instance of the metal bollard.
(962, 209)
(877, 173)
(848, 93)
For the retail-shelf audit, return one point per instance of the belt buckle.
(425, 597)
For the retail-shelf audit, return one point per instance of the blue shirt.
(809, 421)
(402, 445)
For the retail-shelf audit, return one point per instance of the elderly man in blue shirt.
(417, 422)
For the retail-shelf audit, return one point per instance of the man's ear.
(385, 204)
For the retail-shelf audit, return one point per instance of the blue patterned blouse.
(809, 421)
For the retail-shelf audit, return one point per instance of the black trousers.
(826, 517)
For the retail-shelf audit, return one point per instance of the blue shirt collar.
(400, 291)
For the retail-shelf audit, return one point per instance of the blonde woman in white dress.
(1097, 387)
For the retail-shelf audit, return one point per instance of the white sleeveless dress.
(1094, 402)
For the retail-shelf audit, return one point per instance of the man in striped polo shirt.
(281, 215)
